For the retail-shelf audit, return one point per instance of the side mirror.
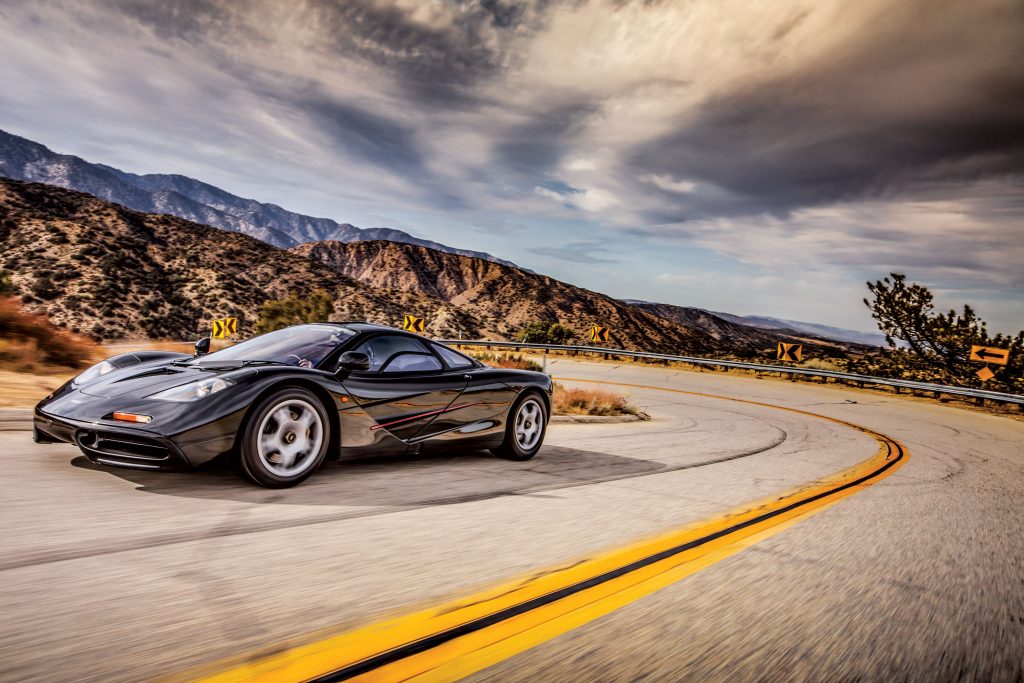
(203, 346)
(354, 361)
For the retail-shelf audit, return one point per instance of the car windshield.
(302, 345)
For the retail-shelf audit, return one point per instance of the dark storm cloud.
(537, 144)
(365, 135)
(882, 118)
(438, 63)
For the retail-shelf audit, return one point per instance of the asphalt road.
(116, 575)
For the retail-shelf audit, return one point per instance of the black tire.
(531, 407)
(285, 438)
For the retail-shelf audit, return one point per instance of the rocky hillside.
(506, 298)
(188, 198)
(109, 272)
(99, 269)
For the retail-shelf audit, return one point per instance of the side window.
(381, 349)
(452, 358)
(411, 362)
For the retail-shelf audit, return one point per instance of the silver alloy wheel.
(290, 437)
(529, 424)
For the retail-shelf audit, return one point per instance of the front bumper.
(121, 446)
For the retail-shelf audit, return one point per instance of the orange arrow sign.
(990, 354)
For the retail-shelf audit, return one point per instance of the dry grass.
(507, 360)
(576, 401)
(23, 390)
(30, 343)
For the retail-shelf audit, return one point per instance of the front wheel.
(524, 432)
(285, 439)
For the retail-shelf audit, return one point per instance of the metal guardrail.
(980, 394)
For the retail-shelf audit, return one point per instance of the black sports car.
(284, 401)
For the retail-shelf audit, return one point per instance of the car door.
(407, 387)
(487, 395)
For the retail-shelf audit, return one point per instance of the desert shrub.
(316, 308)
(44, 288)
(541, 332)
(6, 284)
(577, 401)
(822, 364)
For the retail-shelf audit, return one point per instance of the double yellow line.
(458, 638)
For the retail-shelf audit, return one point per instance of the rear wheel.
(524, 433)
(285, 439)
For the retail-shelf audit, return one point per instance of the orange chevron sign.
(414, 324)
(790, 352)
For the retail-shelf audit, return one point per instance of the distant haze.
(759, 158)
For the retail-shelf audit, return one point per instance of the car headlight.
(193, 391)
(92, 373)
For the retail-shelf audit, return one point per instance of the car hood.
(143, 380)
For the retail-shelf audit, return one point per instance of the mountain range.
(501, 295)
(191, 199)
(101, 269)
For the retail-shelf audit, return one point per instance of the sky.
(759, 158)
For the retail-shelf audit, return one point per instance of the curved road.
(118, 575)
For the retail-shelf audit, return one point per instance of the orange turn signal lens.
(132, 417)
